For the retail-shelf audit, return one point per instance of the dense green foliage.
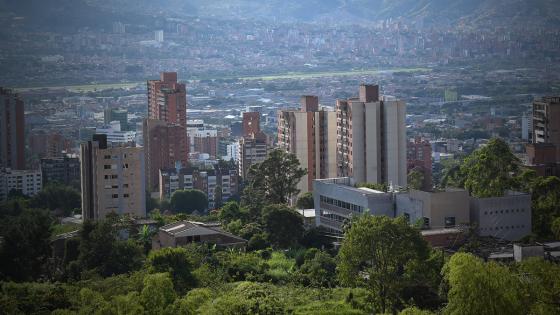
(305, 201)
(188, 201)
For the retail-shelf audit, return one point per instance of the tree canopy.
(188, 201)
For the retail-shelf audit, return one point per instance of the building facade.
(64, 170)
(120, 115)
(165, 145)
(436, 210)
(252, 150)
(112, 180)
(12, 130)
(310, 134)
(251, 123)
(419, 158)
(543, 154)
(27, 182)
(337, 200)
(371, 145)
(167, 99)
(507, 217)
(218, 183)
(201, 139)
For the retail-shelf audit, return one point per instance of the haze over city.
(279, 157)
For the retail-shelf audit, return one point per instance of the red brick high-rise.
(12, 129)
(164, 145)
(251, 123)
(167, 99)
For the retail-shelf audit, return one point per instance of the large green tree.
(491, 170)
(187, 201)
(375, 254)
(305, 201)
(274, 181)
(482, 288)
(283, 225)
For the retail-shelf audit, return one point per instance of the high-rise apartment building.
(419, 158)
(112, 179)
(371, 145)
(252, 150)
(251, 123)
(543, 154)
(167, 99)
(12, 130)
(165, 144)
(202, 139)
(310, 134)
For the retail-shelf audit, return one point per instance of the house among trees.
(185, 232)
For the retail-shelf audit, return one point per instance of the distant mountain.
(466, 13)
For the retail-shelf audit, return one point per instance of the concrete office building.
(310, 134)
(164, 145)
(507, 217)
(112, 179)
(12, 129)
(167, 99)
(64, 170)
(337, 200)
(27, 182)
(437, 210)
(372, 142)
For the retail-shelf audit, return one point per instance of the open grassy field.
(290, 75)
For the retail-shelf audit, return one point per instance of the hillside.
(467, 13)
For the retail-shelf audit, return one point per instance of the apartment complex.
(218, 183)
(48, 144)
(167, 99)
(165, 144)
(371, 145)
(310, 134)
(27, 182)
(112, 179)
(12, 128)
(64, 170)
(251, 123)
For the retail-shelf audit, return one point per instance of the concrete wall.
(507, 217)
(436, 206)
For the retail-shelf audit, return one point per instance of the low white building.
(28, 182)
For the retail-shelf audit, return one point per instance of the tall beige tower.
(371, 144)
(310, 134)
(112, 180)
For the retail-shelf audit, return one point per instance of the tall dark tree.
(57, 197)
(305, 201)
(273, 181)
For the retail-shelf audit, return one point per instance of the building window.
(114, 196)
(407, 217)
(426, 223)
(449, 222)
